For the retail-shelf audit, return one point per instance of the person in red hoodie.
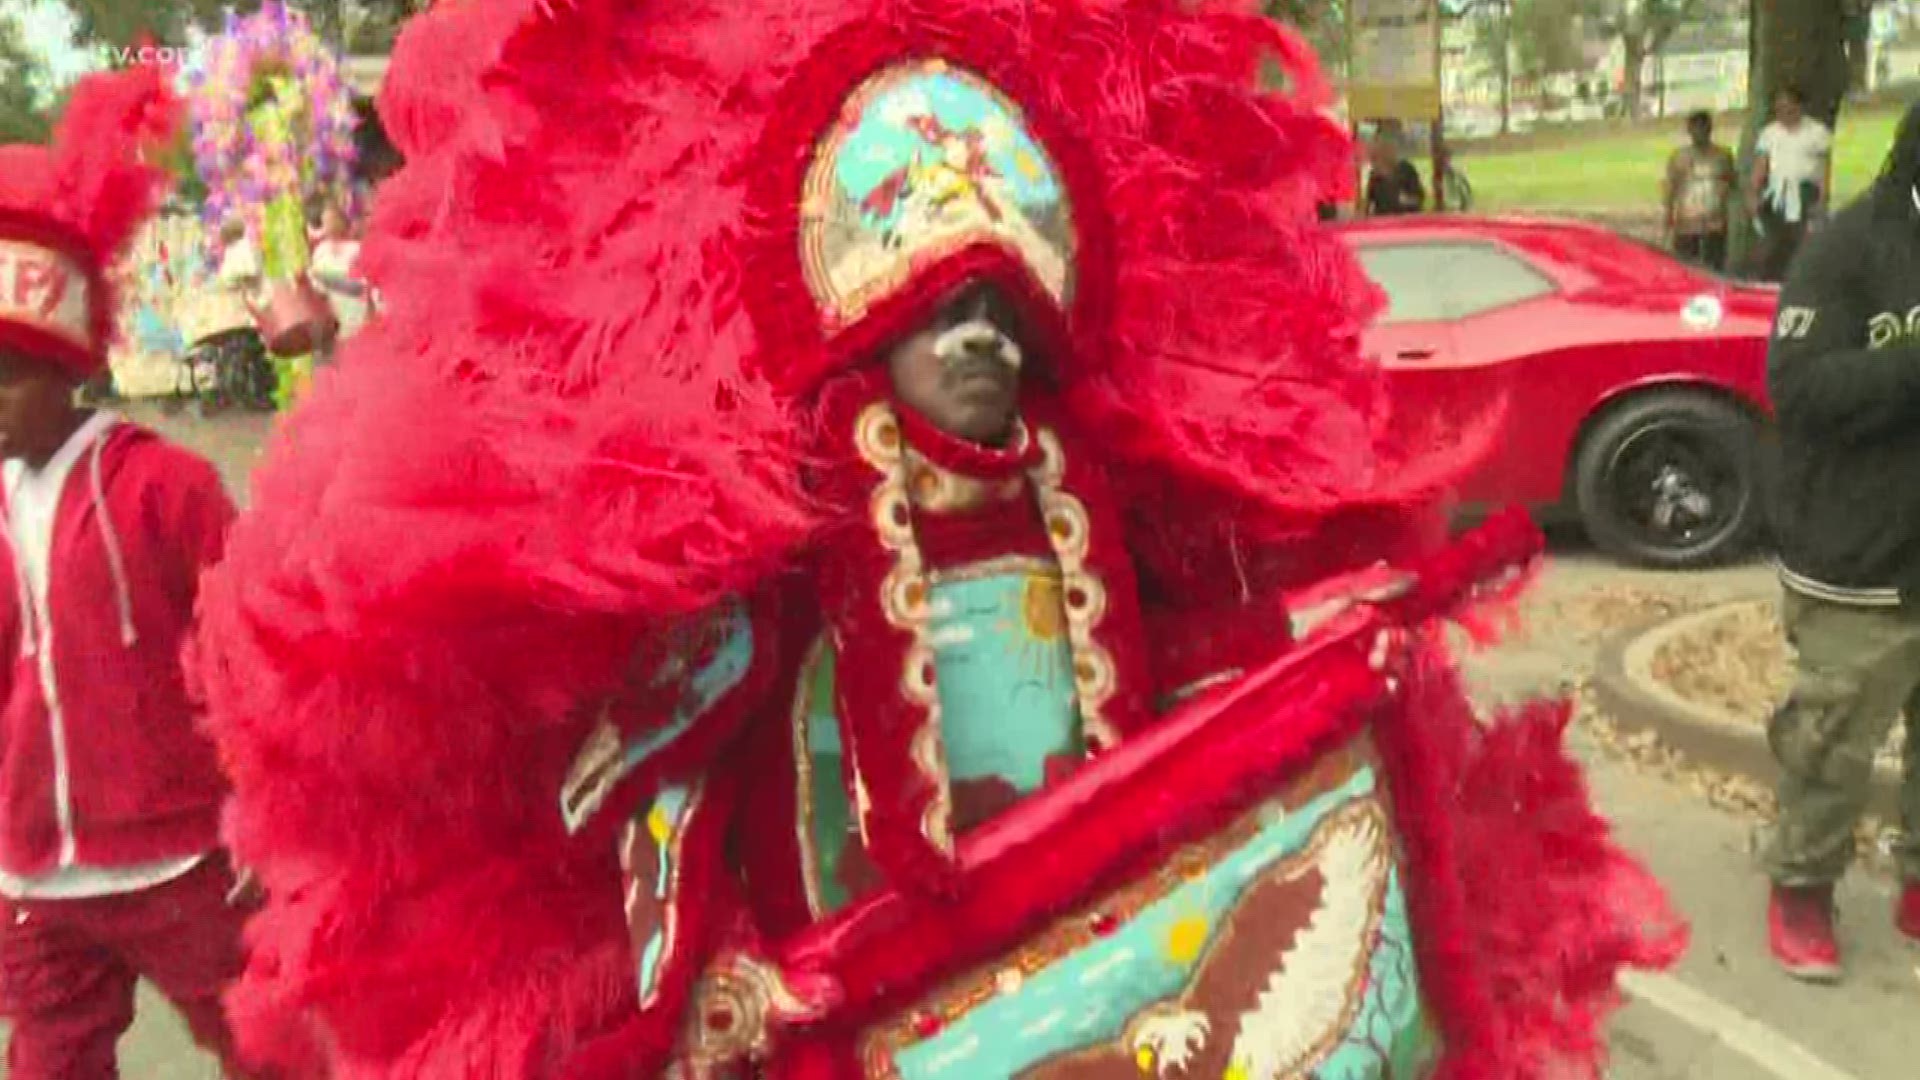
(110, 864)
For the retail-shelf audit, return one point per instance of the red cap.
(50, 294)
(67, 211)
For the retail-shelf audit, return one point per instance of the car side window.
(1435, 282)
(1481, 278)
(1409, 274)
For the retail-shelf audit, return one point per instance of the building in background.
(1703, 66)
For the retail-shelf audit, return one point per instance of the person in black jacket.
(1844, 374)
(1393, 182)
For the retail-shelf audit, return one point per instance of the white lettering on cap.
(45, 289)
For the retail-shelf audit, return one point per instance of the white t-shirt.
(1795, 156)
(240, 271)
(333, 271)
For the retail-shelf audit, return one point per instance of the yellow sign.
(1395, 70)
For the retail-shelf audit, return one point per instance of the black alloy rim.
(1675, 486)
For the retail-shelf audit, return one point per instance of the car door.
(1458, 319)
(1413, 329)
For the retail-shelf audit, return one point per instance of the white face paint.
(966, 339)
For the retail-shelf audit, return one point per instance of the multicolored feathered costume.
(617, 680)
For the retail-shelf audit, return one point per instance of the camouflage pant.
(1858, 671)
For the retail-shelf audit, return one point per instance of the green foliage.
(24, 115)
(364, 26)
(1546, 37)
(1648, 24)
(371, 25)
(1322, 22)
(122, 23)
(1304, 14)
(178, 158)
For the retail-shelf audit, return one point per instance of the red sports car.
(1636, 384)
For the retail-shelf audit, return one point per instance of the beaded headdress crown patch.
(925, 160)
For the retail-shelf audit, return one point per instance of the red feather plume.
(90, 191)
(563, 431)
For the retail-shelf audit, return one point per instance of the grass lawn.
(1621, 169)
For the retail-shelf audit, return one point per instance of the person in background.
(335, 250)
(1792, 178)
(239, 271)
(1700, 187)
(222, 328)
(1844, 375)
(111, 867)
(1393, 182)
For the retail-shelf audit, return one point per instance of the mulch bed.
(1737, 664)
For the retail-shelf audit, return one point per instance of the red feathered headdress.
(67, 211)
(590, 400)
(1143, 175)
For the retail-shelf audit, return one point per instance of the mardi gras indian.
(818, 570)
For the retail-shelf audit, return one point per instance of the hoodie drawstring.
(29, 611)
(123, 594)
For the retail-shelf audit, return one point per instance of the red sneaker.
(1906, 914)
(1800, 932)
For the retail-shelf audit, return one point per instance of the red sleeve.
(206, 513)
(189, 509)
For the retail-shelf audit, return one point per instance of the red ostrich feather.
(585, 411)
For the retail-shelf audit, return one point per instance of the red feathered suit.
(619, 678)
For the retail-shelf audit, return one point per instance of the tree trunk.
(1803, 44)
(1797, 43)
(1633, 79)
(1859, 36)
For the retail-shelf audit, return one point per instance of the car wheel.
(1672, 480)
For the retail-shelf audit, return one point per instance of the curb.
(1625, 689)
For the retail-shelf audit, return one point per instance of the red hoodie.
(138, 521)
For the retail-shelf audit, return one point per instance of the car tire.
(1673, 480)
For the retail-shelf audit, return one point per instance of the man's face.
(36, 407)
(1701, 131)
(962, 371)
(1786, 108)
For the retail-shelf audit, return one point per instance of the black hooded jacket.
(1844, 375)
